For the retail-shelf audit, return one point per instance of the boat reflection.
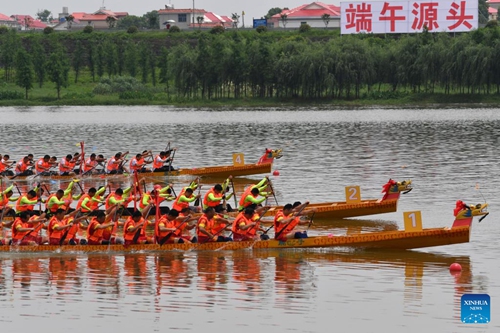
(286, 278)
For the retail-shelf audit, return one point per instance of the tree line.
(235, 65)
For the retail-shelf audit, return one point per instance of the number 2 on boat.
(352, 195)
(413, 221)
(238, 159)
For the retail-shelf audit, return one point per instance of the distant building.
(98, 19)
(26, 22)
(308, 14)
(188, 18)
(8, 21)
(493, 9)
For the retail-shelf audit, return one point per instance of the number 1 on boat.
(413, 221)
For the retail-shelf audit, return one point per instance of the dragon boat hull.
(332, 210)
(208, 172)
(401, 240)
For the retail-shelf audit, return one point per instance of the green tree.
(284, 19)
(69, 21)
(39, 61)
(111, 21)
(24, 70)
(326, 19)
(131, 59)
(483, 14)
(272, 12)
(110, 58)
(58, 69)
(78, 56)
(151, 20)
(130, 20)
(10, 43)
(91, 59)
(44, 15)
(236, 20)
(99, 60)
(163, 65)
(144, 57)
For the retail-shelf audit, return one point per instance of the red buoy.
(276, 173)
(455, 267)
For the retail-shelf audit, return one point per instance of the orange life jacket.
(129, 235)
(18, 235)
(208, 203)
(55, 206)
(167, 223)
(286, 227)
(80, 202)
(112, 165)
(66, 166)
(241, 218)
(56, 234)
(136, 164)
(158, 162)
(114, 195)
(21, 166)
(87, 167)
(3, 200)
(94, 235)
(41, 165)
(24, 208)
(248, 191)
(179, 206)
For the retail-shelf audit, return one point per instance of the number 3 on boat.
(413, 221)
(238, 159)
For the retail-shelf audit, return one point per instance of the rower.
(251, 194)
(59, 225)
(66, 166)
(23, 167)
(90, 165)
(115, 164)
(95, 230)
(5, 198)
(27, 202)
(85, 202)
(166, 226)
(24, 231)
(160, 161)
(132, 226)
(5, 165)
(286, 220)
(185, 197)
(247, 224)
(210, 226)
(215, 197)
(165, 194)
(42, 166)
(183, 225)
(118, 197)
(138, 163)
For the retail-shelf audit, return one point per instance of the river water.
(449, 154)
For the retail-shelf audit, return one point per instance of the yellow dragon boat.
(411, 238)
(355, 206)
(239, 168)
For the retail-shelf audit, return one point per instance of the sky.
(252, 9)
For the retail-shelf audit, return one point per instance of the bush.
(304, 27)
(174, 29)
(3, 30)
(8, 94)
(218, 29)
(491, 24)
(118, 84)
(48, 30)
(261, 28)
(88, 29)
(132, 29)
(136, 95)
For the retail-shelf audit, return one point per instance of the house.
(26, 22)
(188, 18)
(98, 19)
(493, 6)
(8, 21)
(308, 14)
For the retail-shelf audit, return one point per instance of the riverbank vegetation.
(240, 68)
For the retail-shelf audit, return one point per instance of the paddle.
(171, 159)
(35, 230)
(218, 232)
(167, 237)
(260, 217)
(197, 201)
(286, 225)
(272, 191)
(234, 195)
(311, 221)
(63, 238)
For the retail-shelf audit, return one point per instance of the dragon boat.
(355, 206)
(411, 238)
(239, 168)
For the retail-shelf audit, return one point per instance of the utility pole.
(243, 19)
(193, 13)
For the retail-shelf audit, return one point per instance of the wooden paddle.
(144, 226)
(35, 230)
(234, 195)
(311, 221)
(171, 159)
